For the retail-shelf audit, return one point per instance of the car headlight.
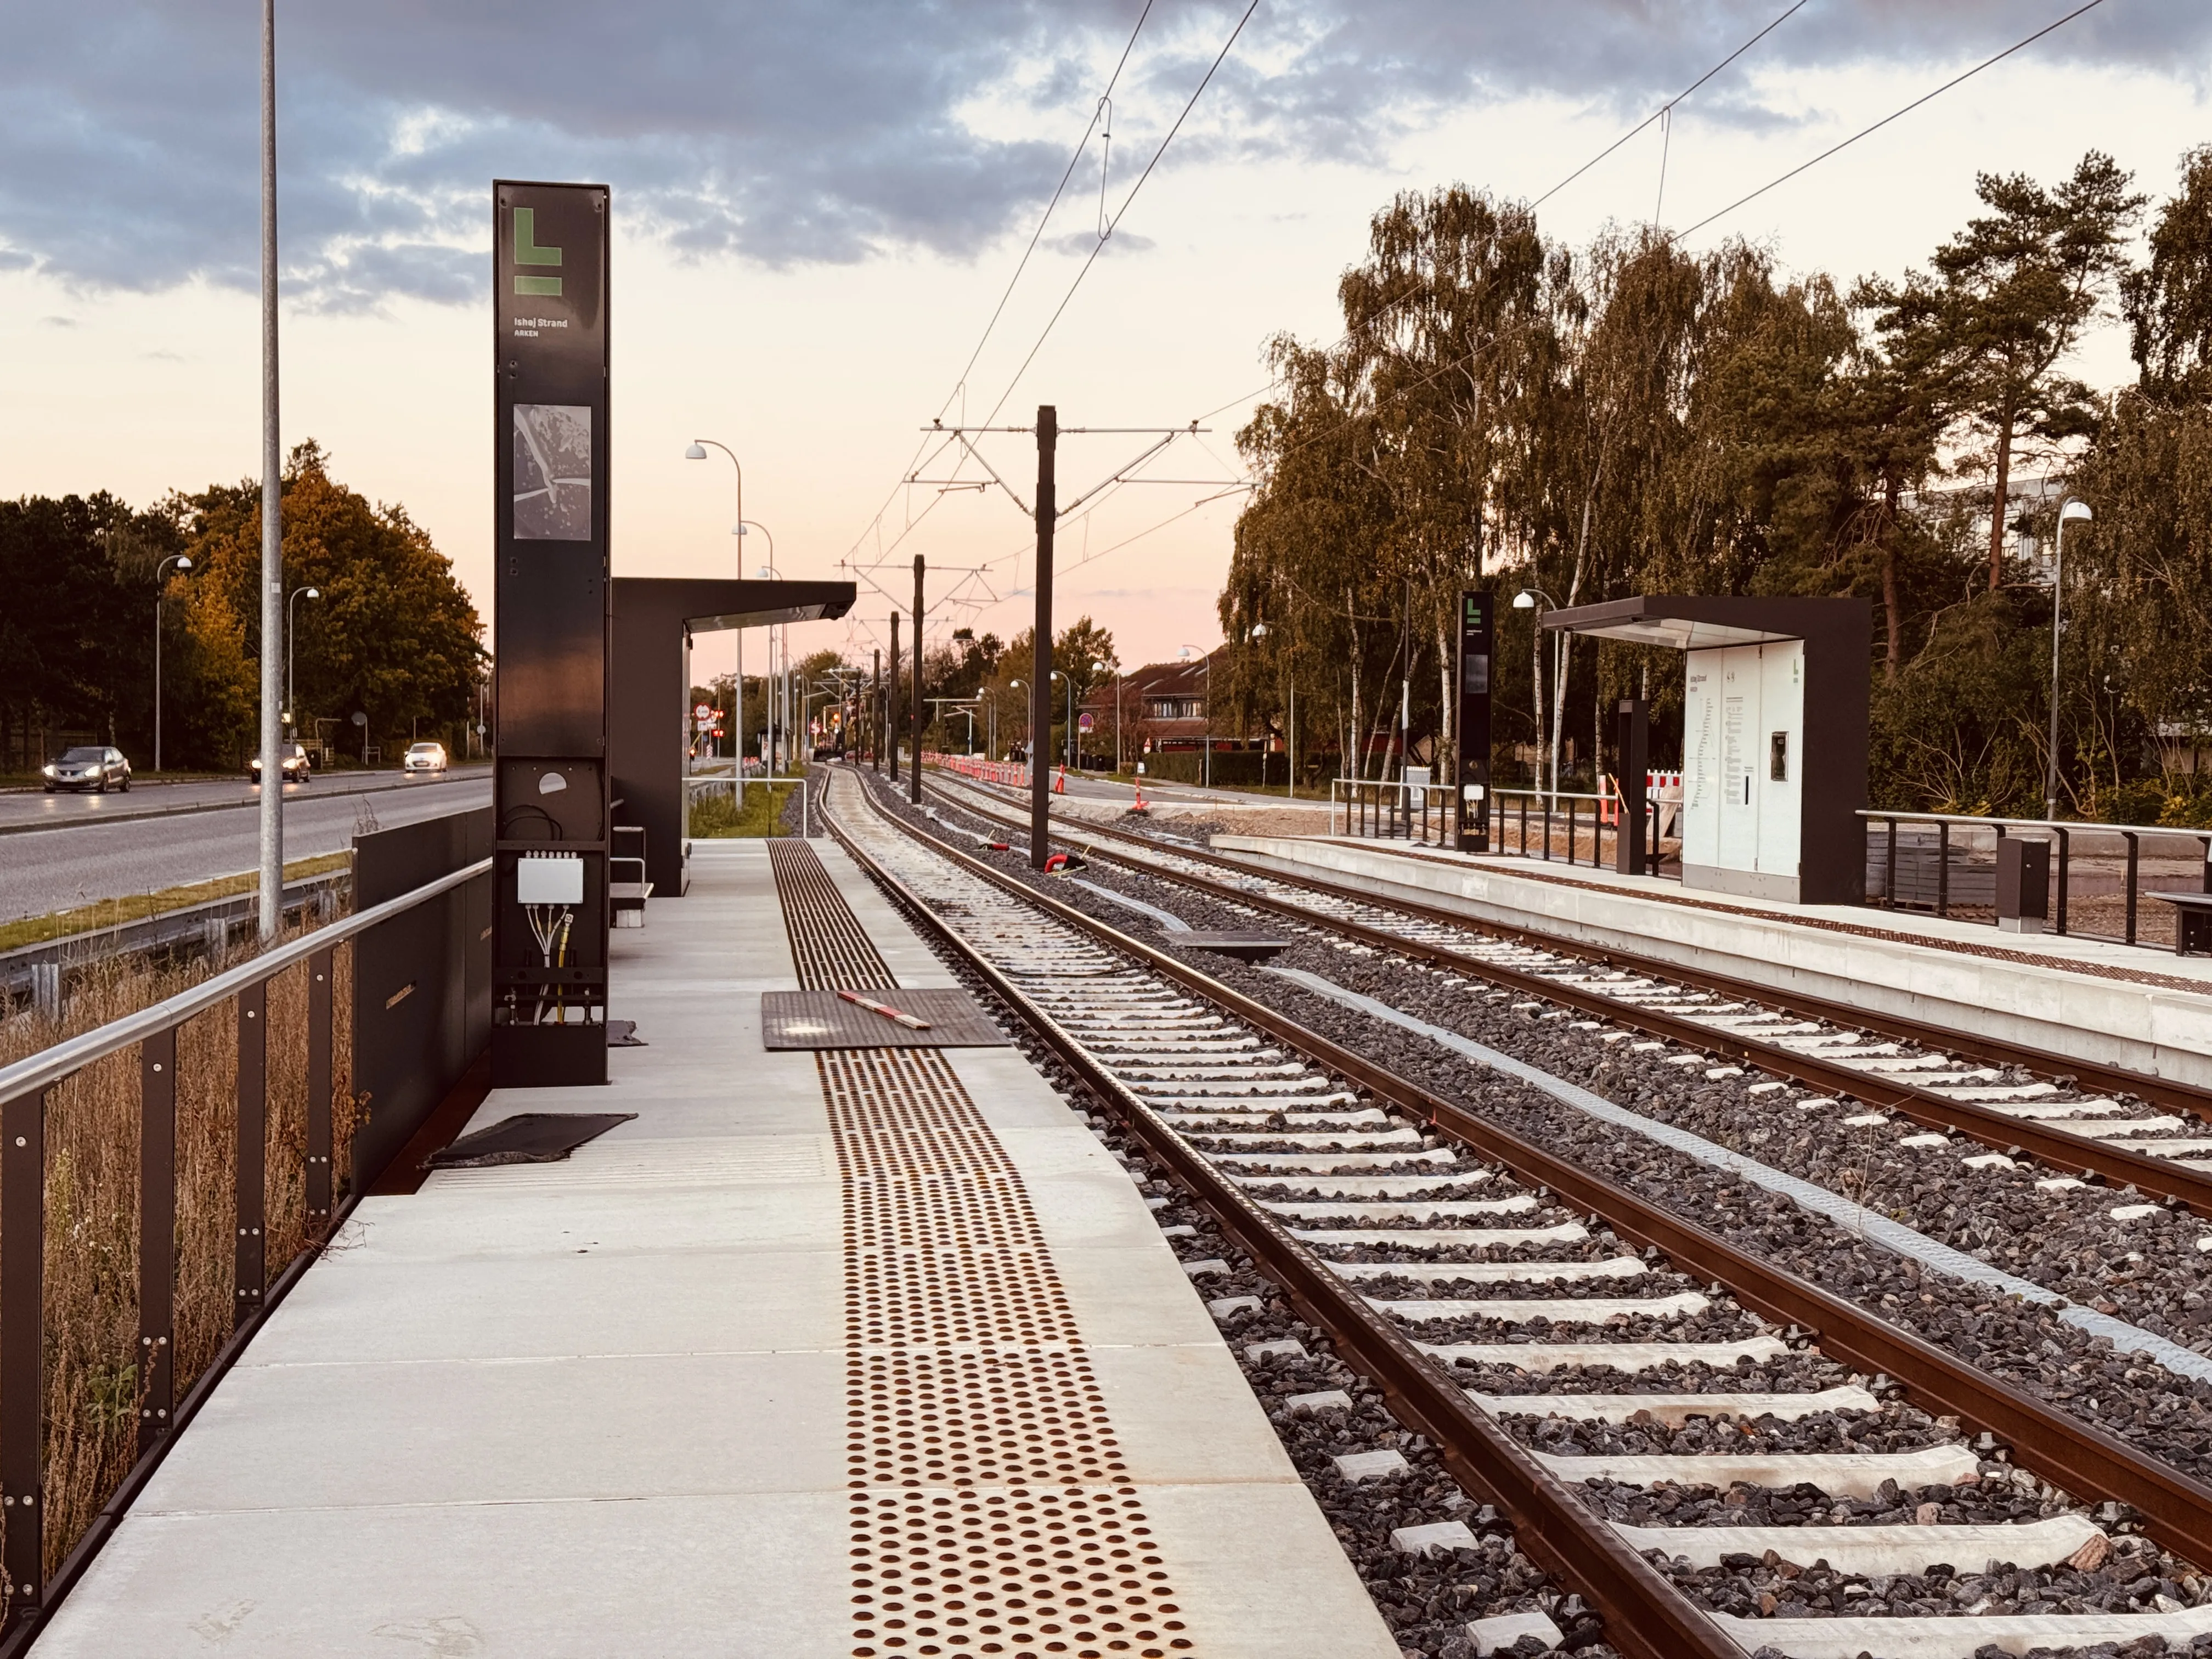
(51, 772)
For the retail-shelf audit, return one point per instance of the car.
(293, 764)
(424, 757)
(96, 770)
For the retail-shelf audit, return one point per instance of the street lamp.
(1017, 685)
(1069, 752)
(160, 591)
(696, 450)
(2075, 512)
(1206, 770)
(291, 709)
(1536, 600)
(1290, 731)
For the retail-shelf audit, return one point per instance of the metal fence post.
(250, 1271)
(157, 1236)
(319, 967)
(1889, 871)
(2134, 853)
(2062, 852)
(22, 1348)
(1943, 868)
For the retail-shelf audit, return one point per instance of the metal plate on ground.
(1244, 946)
(526, 1137)
(823, 1019)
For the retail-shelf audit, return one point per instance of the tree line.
(1632, 417)
(391, 634)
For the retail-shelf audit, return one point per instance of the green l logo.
(527, 252)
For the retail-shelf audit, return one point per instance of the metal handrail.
(48, 1066)
(2077, 826)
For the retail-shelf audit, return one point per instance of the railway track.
(1700, 1444)
(2080, 1121)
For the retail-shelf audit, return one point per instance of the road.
(28, 806)
(79, 860)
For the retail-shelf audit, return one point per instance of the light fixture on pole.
(291, 709)
(1098, 667)
(1016, 686)
(1536, 600)
(2075, 512)
(160, 591)
(1259, 632)
(1066, 752)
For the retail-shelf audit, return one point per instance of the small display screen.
(1777, 757)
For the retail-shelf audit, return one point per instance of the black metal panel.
(421, 981)
(552, 605)
(1632, 743)
(1476, 624)
(823, 1019)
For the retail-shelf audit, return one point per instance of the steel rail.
(2081, 1459)
(50, 1066)
(1644, 1616)
(2159, 1177)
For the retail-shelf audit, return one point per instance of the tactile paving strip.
(991, 1512)
(829, 947)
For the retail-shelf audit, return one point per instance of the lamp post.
(160, 591)
(1536, 600)
(1016, 686)
(1067, 753)
(1259, 632)
(2075, 512)
(291, 642)
(1206, 767)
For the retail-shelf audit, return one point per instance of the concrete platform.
(2146, 1010)
(618, 1404)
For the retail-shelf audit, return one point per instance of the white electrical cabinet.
(1743, 749)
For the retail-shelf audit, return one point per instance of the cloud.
(831, 132)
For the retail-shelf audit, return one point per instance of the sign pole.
(1047, 511)
(1472, 795)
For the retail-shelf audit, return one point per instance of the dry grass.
(93, 1387)
(139, 907)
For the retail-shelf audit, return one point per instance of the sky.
(817, 210)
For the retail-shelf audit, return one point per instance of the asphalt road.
(79, 860)
(24, 806)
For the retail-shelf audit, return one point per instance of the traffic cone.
(1060, 781)
(1139, 809)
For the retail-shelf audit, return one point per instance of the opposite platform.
(2088, 999)
(869, 1354)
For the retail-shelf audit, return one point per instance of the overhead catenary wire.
(1781, 18)
(1060, 309)
(1661, 110)
(1044, 219)
(1926, 97)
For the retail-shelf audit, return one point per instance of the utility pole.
(914, 789)
(1047, 514)
(1048, 440)
(272, 487)
(892, 702)
(875, 713)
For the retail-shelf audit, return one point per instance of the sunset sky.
(819, 207)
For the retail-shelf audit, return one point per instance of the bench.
(2192, 921)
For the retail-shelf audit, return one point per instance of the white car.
(424, 757)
